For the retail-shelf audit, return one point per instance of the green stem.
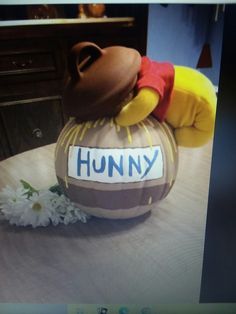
(28, 187)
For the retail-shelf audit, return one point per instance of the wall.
(177, 33)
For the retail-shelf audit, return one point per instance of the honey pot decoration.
(117, 157)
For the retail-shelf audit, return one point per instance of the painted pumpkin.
(116, 172)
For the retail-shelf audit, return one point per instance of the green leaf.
(56, 189)
(28, 187)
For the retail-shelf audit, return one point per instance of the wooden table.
(155, 258)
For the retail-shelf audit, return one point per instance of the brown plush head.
(101, 79)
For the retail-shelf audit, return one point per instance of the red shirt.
(160, 77)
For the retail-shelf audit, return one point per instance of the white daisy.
(39, 210)
(28, 207)
(12, 202)
(35, 211)
(13, 210)
(83, 217)
(69, 212)
(9, 195)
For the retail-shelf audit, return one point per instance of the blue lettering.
(83, 161)
(150, 163)
(132, 163)
(102, 166)
(126, 166)
(112, 164)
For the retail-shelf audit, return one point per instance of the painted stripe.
(118, 213)
(113, 200)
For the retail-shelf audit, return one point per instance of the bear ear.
(81, 57)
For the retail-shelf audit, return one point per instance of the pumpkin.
(116, 172)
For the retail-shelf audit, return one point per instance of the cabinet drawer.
(30, 62)
(27, 63)
(35, 123)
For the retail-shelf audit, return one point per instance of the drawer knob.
(23, 64)
(37, 133)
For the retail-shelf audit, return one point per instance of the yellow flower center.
(37, 207)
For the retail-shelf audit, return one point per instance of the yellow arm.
(138, 108)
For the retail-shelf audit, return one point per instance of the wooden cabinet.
(32, 123)
(31, 80)
(33, 71)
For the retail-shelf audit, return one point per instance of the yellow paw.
(138, 108)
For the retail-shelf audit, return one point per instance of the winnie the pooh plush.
(181, 96)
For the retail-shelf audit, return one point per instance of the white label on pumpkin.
(115, 165)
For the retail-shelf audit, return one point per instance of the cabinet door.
(32, 123)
